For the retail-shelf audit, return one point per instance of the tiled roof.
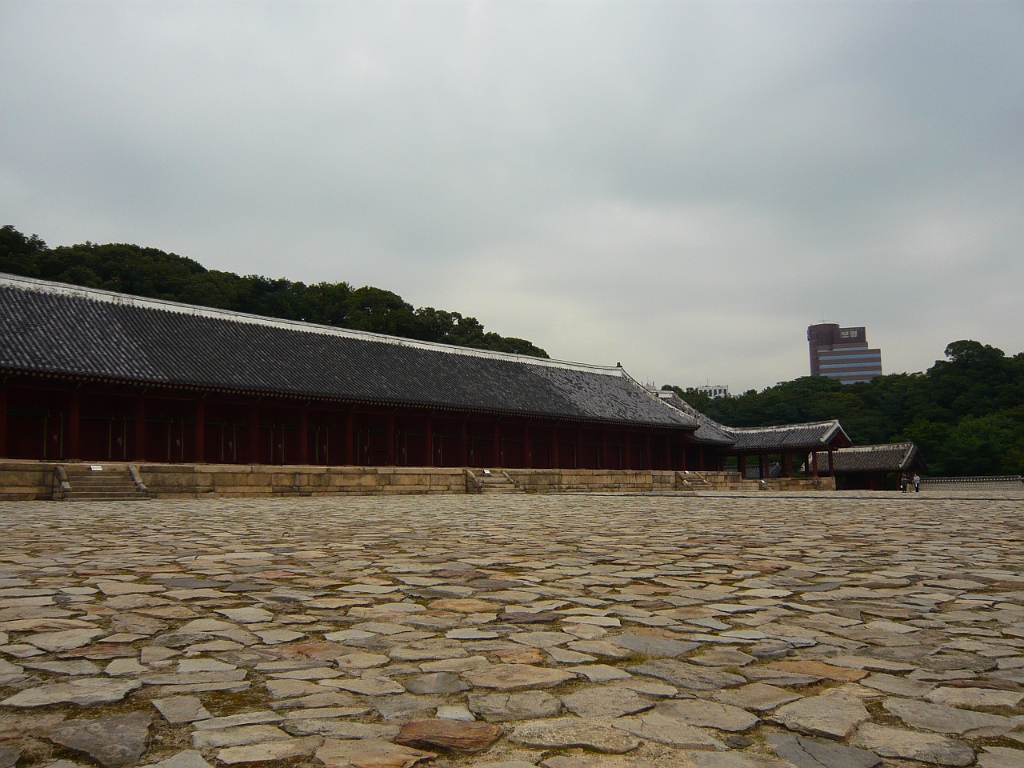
(60, 329)
(887, 457)
(786, 437)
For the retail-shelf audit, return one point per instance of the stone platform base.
(27, 480)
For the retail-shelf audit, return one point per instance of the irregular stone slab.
(188, 758)
(504, 707)
(120, 667)
(573, 732)
(541, 639)
(872, 664)
(967, 697)
(708, 714)
(9, 755)
(655, 647)
(910, 745)
(601, 673)
(366, 686)
(455, 712)
(71, 668)
(601, 701)
(687, 675)
(759, 697)
(897, 686)
(277, 636)
(246, 615)
(667, 730)
(113, 742)
(507, 677)
(943, 719)
(601, 648)
(724, 658)
(55, 642)
(1001, 757)
(406, 706)
(470, 634)
(85, 692)
(819, 669)
(370, 753)
(328, 712)
(455, 665)
(237, 737)
(777, 676)
(340, 729)
(283, 749)
(833, 715)
(181, 709)
(449, 734)
(361, 660)
(565, 656)
(804, 752)
(241, 718)
(435, 683)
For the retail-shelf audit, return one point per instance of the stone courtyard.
(514, 630)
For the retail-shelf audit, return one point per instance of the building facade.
(92, 375)
(842, 353)
(714, 390)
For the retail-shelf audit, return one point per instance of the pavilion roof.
(57, 329)
(784, 437)
(886, 457)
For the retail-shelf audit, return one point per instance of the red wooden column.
(430, 441)
(304, 434)
(497, 445)
(763, 465)
(647, 450)
(554, 448)
(349, 439)
(831, 463)
(200, 430)
(390, 460)
(3, 419)
(627, 460)
(526, 447)
(579, 448)
(604, 449)
(464, 441)
(741, 465)
(787, 465)
(254, 434)
(668, 451)
(140, 428)
(700, 459)
(74, 423)
(814, 462)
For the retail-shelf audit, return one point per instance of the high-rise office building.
(842, 353)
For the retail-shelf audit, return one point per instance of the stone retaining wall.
(27, 480)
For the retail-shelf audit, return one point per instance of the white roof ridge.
(112, 297)
(777, 427)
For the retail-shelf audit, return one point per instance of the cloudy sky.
(679, 186)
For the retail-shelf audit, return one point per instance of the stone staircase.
(692, 481)
(97, 482)
(491, 481)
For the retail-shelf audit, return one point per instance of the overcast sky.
(679, 186)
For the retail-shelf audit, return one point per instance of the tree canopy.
(965, 413)
(155, 274)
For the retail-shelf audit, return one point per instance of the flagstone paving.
(826, 631)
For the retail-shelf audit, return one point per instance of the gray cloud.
(679, 186)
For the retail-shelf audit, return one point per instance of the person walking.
(917, 483)
(903, 483)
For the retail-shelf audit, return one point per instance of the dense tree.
(155, 274)
(966, 412)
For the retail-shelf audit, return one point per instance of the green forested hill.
(152, 273)
(966, 412)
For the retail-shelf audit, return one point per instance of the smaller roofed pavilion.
(714, 442)
(875, 467)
